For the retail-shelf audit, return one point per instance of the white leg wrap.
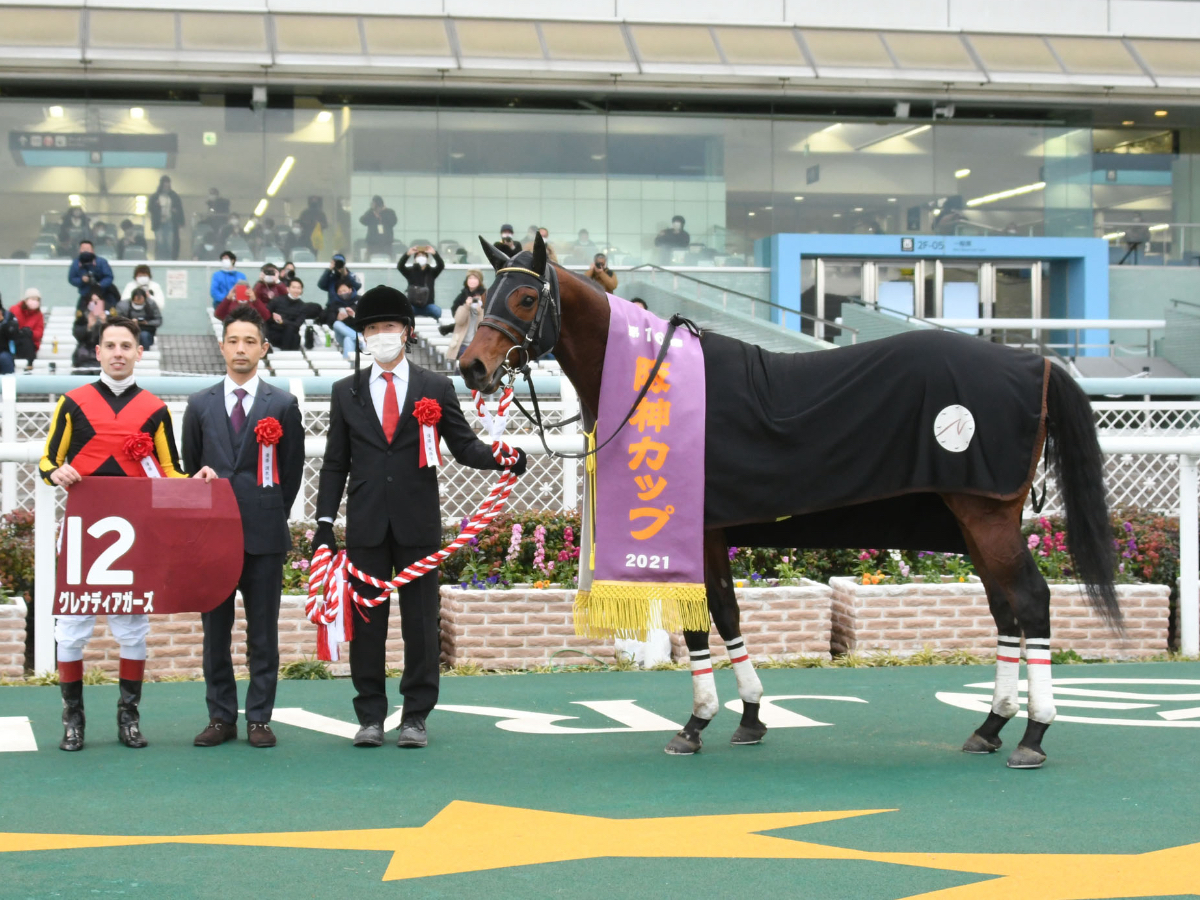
(704, 686)
(749, 687)
(1041, 691)
(1008, 669)
(72, 634)
(130, 632)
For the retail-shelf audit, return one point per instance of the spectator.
(287, 273)
(674, 238)
(530, 234)
(8, 340)
(142, 278)
(166, 218)
(131, 236)
(584, 248)
(381, 224)
(420, 267)
(241, 296)
(264, 239)
(223, 280)
(296, 238)
(467, 310)
(145, 312)
(313, 224)
(89, 325)
(506, 242)
(90, 272)
(31, 324)
(287, 317)
(638, 301)
(268, 286)
(600, 273)
(550, 254)
(217, 205)
(334, 275)
(76, 226)
(100, 235)
(231, 230)
(339, 315)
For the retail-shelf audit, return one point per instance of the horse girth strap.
(111, 428)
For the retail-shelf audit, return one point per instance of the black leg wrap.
(687, 741)
(986, 738)
(1029, 753)
(751, 729)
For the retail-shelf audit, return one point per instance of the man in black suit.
(393, 513)
(220, 441)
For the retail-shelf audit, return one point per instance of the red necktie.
(391, 408)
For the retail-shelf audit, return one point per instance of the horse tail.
(1073, 454)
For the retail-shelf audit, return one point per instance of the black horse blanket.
(851, 447)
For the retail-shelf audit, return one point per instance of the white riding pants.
(73, 632)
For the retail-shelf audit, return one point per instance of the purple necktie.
(237, 418)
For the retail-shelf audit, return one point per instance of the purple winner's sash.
(643, 522)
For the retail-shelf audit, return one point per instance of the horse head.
(522, 317)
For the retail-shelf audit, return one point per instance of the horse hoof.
(748, 734)
(1024, 758)
(684, 744)
(978, 744)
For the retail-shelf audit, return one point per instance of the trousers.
(73, 632)
(419, 610)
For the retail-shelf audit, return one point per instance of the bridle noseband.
(526, 337)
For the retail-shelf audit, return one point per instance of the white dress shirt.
(378, 386)
(251, 389)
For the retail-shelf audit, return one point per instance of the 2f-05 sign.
(148, 545)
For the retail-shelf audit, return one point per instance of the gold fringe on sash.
(629, 609)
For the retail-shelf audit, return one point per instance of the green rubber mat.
(557, 785)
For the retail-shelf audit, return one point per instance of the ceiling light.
(829, 128)
(1163, 227)
(249, 226)
(837, 215)
(457, 155)
(1113, 235)
(75, 200)
(768, 207)
(1004, 195)
(597, 156)
(324, 116)
(277, 181)
(798, 197)
(139, 205)
(750, 213)
(1127, 122)
(262, 207)
(136, 112)
(56, 112)
(858, 209)
(891, 199)
(905, 133)
(961, 173)
(1160, 113)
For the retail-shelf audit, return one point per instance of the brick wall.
(12, 639)
(905, 618)
(777, 622)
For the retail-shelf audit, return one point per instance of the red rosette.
(427, 411)
(138, 446)
(268, 431)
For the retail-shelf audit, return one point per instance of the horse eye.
(527, 301)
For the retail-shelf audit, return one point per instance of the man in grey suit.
(220, 441)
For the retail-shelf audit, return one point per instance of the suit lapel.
(217, 393)
(367, 407)
(416, 383)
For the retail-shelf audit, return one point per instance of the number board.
(147, 545)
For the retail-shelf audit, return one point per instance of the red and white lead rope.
(330, 593)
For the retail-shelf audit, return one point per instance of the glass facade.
(298, 181)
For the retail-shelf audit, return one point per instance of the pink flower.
(295, 564)
(1034, 540)
(784, 560)
(304, 564)
(563, 555)
(309, 535)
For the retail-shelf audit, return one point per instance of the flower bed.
(12, 637)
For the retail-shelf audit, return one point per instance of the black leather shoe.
(72, 715)
(128, 719)
(260, 734)
(218, 732)
(369, 735)
(412, 732)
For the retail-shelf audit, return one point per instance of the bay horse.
(534, 307)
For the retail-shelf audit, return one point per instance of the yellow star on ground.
(471, 837)
(1062, 876)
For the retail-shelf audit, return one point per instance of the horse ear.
(497, 257)
(539, 255)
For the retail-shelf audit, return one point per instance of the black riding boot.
(127, 714)
(72, 717)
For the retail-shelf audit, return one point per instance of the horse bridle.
(524, 341)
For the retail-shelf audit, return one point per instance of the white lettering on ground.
(777, 717)
(1107, 698)
(16, 734)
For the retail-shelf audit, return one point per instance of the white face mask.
(386, 346)
(269, 279)
(420, 260)
(143, 280)
(227, 264)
